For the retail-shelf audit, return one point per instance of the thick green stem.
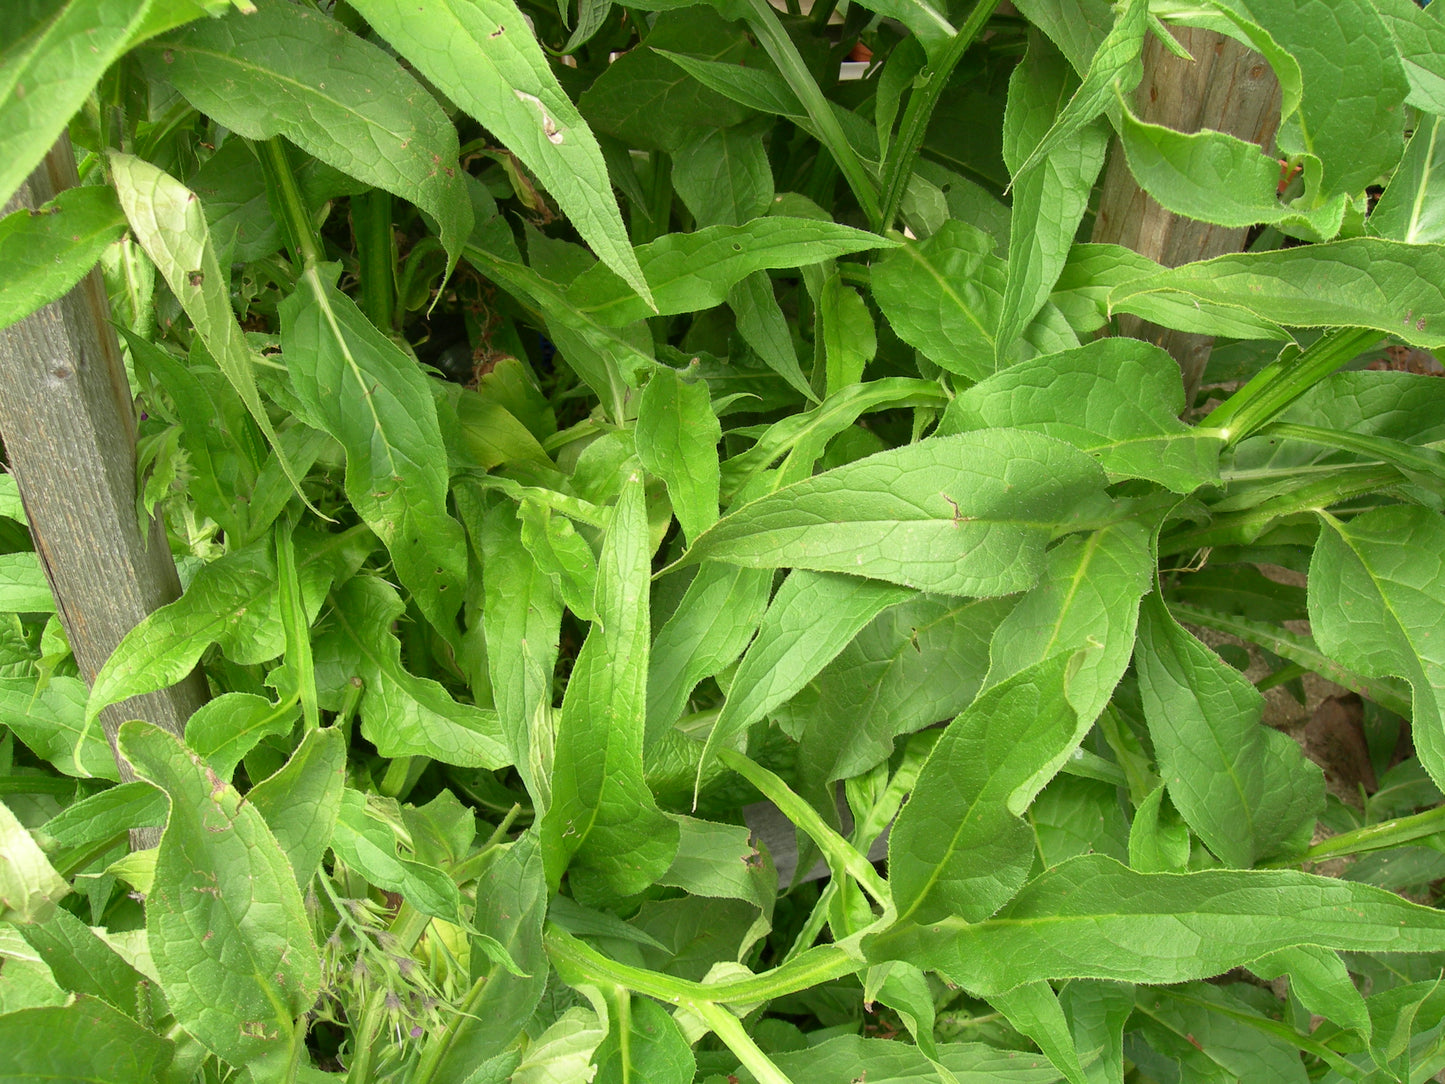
(1378, 837)
(371, 223)
(730, 1030)
(287, 204)
(1285, 379)
(901, 158)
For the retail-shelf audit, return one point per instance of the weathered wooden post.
(68, 424)
(1227, 88)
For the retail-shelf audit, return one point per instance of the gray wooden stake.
(68, 424)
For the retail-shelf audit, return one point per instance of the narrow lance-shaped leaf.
(1117, 399)
(44, 253)
(1048, 201)
(812, 618)
(692, 271)
(1115, 68)
(83, 1041)
(1377, 603)
(361, 388)
(1034, 1009)
(1412, 207)
(302, 801)
(482, 55)
(962, 515)
(53, 56)
(1365, 282)
(603, 820)
(225, 923)
(959, 847)
(677, 437)
(286, 70)
(168, 223)
(1246, 789)
(29, 886)
(1091, 917)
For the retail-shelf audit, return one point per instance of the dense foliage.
(575, 426)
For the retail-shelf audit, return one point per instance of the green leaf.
(107, 814)
(1092, 917)
(959, 847)
(85, 1041)
(721, 861)
(944, 296)
(1412, 208)
(1048, 202)
(53, 55)
(1419, 37)
(849, 338)
(401, 714)
(284, 70)
(711, 626)
(522, 617)
(227, 930)
(811, 619)
(1216, 177)
(887, 1061)
(302, 801)
(481, 54)
(1376, 597)
(1362, 282)
(29, 886)
(44, 253)
(1087, 601)
(562, 554)
(167, 220)
(1158, 839)
(1117, 399)
(603, 820)
(677, 437)
(367, 844)
(654, 1048)
(722, 174)
(692, 271)
(1034, 1009)
(1350, 114)
(234, 601)
(511, 908)
(762, 325)
(359, 386)
(223, 730)
(1246, 789)
(915, 663)
(83, 964)
(23, 586)
(51, 722)
(962, 515)
(1208, 1035)
(1321, 982)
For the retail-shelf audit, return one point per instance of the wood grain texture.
(68, 425)
(1228, 88)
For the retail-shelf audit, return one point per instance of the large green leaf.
(302, 800)
(522, 618)
(234, 601)
(401, 714)
(167, 220)
(29, 886)
(1048, 201)
(84, 964)
(723, 176)
(885, 1061)
(1362, 282)
(1092, 917)
(1209, 1035)
(361, 388)
(52, 56)
(1377, 603)
(1412, 207)
(366, 842)
(483, 56)
(959, 847)
(1420, 38)
(914, 664)
(225, 923)
(677, 437)
(962, 515)
(286, 70)
(1117, 399)
(1246, 789)
(603, 820)
(944, 296)
(44, 253)
(811, 619)
(51, 722)
(85, 1041)
(692, 271)
(711, 626)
